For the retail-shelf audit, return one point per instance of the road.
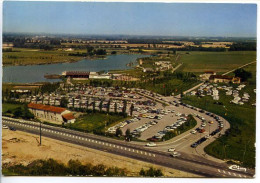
(239, 68)
(205, 167)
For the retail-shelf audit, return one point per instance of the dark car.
(11, 128)
(194, 145)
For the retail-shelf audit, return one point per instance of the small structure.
(53, 114)
(224, 79)
(148, 70)
(207, 75)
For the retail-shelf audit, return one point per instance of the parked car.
(5, 127)
(193, 131)
(151, 144)
(11, 128)
(171, 150)
(175, 154)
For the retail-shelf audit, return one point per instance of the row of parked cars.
(140, 129)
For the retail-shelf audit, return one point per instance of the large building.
(76, 74)
(224, 79)
(53, 114)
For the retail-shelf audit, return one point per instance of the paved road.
(184, 163)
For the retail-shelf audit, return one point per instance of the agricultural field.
(239, 143)
(27, 56)
(220, 62)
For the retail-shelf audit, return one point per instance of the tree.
(108, 105)
(119, 132)
(113, 53)
(124, 107)
(131, 109)
(94, 106)
(244, 75)
(63, 102)
(115, 107)
(128, 134)
(100, 105)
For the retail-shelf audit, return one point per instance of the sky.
(161, 19)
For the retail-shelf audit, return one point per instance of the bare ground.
(20, 147)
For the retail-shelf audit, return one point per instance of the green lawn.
(95, 121)
(239, 144)
(197, 61)
(10, 107)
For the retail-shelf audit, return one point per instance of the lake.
(35, 73)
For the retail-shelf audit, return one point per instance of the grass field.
(9, 107)
(24, 56)
(95, 121)
(239, 143)
(197, 61)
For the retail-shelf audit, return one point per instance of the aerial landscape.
(96, 89)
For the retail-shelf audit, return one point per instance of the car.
(207, 136)
(11, 128)
(211, 122)
(194, 145)
(151, 144)
(171, 150)
(237, 168)
(5, 127)
(202, 130)
(193, 131)
(203, 124)
(175, 154)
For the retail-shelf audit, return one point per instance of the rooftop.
(46, 108)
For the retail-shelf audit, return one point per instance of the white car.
(151, 144)
(175, 154)
(237, 168)
(171, 150)
(5, 127)
(193, 131)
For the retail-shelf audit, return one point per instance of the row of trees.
(52, 167)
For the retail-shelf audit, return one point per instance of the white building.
(53, 114)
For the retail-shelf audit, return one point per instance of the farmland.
(216, 61)
(26, 56)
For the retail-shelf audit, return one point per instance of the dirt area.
(20, 147)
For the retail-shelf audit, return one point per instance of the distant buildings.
(206, 75)
(224, 79)
(52, 114)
